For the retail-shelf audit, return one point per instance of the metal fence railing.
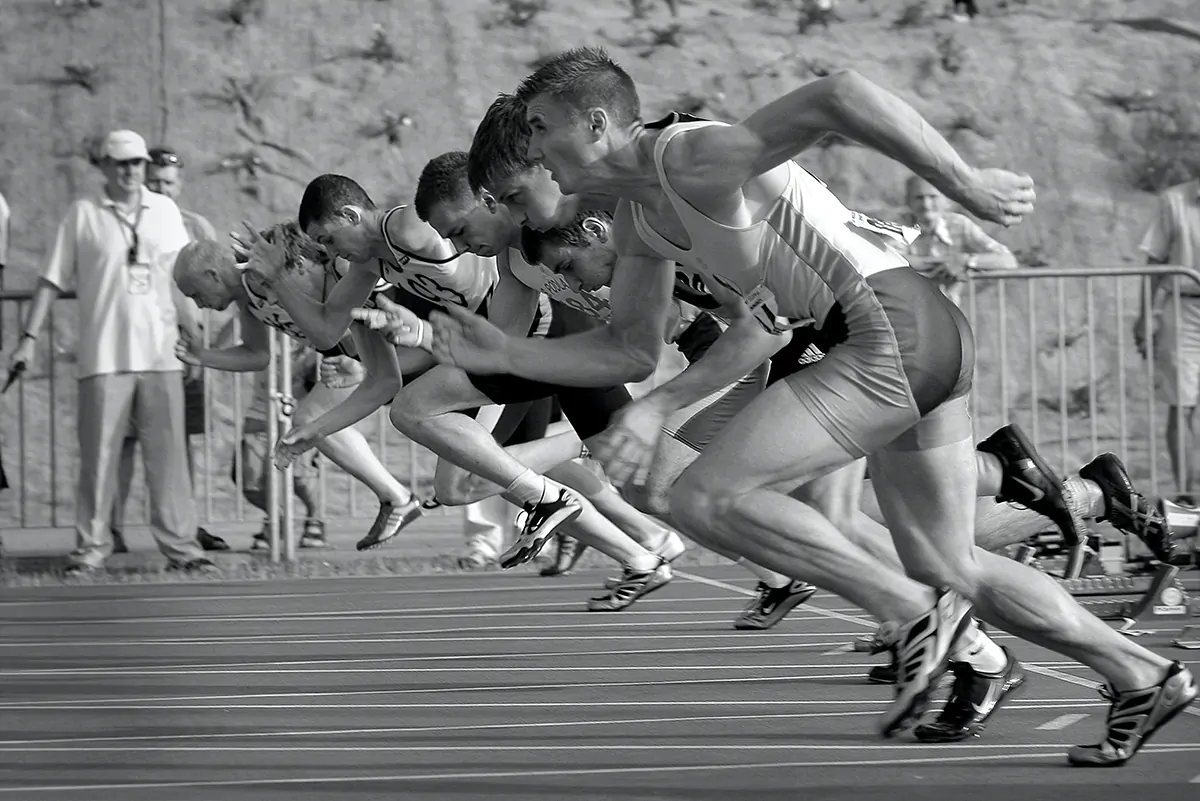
(1055, 354)
(37, 437)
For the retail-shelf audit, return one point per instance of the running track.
(497, 686)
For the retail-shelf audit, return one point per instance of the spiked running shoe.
(390, 521)
(1030, 482)
(633, 586)
(973, 698)
(669, 549)
(538, 526)
(1126, 509)
(772, 604)
(885, 674)
(923, 647)
(1134, 717)
(570, 551)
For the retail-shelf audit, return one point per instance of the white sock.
(769, 577)
(529, 487)
(979, 651)
(643, 562)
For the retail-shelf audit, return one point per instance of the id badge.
(139, 279)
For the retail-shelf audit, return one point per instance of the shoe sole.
(369, 543)
(520, 555)
(777, 615)
(928, 734)
(635, 598)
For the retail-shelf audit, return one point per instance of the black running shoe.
(1134, 717)
(885, 674)
(772, 604)
(634, 585)
(570, 551)
(390, 521)
(1030, 482)
(973, 699)
(208, 541)
(1126, 509)
(541, 520)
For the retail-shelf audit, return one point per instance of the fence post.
(286, 405)
(272, 476)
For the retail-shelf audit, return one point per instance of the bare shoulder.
(625, 236)
(711, 159)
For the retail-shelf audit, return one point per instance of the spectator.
(164, 174)
(119, 248)
(1174, 238)
(950, 244)
(258, 451)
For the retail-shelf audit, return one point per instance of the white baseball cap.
(124, 146)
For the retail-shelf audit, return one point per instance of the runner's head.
(473, 221)
(580, 107)
(581, 252)
(206, 272)
(338, 214)
(498, 162)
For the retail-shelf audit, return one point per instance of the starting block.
(1134, 599)
(1189, 638)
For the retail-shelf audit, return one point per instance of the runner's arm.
(628, 348)
(741, 348)
(324, 324)
(382, 383)
(252, 355)
(845, 103)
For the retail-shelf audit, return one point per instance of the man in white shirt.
(118, 249)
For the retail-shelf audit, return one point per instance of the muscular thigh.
(440, 390)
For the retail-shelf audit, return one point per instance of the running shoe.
(313, 537)
(1126, 509)
(772, 604)
(201, 566)
(973, 698)
(669, 549)
(1030, 482)
(207, 540)
(475, 559)
(923, 646)
(633, 585)
(885, 674)
(538, 522)
(390, 521)
(1134, 717)
(570, 551)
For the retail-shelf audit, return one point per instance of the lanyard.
(132, 254)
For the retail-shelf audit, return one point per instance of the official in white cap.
(117, 249)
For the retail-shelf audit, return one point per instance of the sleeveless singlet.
(806, 254)
(267, 310)
(463, 280)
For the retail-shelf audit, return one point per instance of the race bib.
(763, 305)
(904, 233)
(139, 279)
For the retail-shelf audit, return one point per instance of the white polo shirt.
(127, 319)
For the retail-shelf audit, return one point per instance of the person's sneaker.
(209, 542)
(475, 559)
(973, 698)
(570, 551)
(313, 537)
(204, 567)
(1134, 717)
(923, 646)
(538, 525)
(81, 569)
(670, 548)
(772, 604)
(1030, 482)
(118, 539)
(885, 674)
(390, 521)
(260, 542)
(1129, 511)
(633, 585)
(430, 504)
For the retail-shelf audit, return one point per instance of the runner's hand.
(468, 341)
(339, 372)
(998, 195)
(293, 444)
(266, 260)
(399, 324)
(627, 447)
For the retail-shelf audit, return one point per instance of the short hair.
(443, 180)
(325, 196)
(585, 78)
(534, 243)
(201, 254)
(498, 151)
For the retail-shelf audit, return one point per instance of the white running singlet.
(463, 280)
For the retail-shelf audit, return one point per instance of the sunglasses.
(166, 160)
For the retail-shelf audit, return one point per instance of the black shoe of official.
(1030, 482)
(210, 542)
(973, 698)
(1127, 509)
(570, 551)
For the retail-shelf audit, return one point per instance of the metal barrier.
(37, 434)
(1068, 372)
